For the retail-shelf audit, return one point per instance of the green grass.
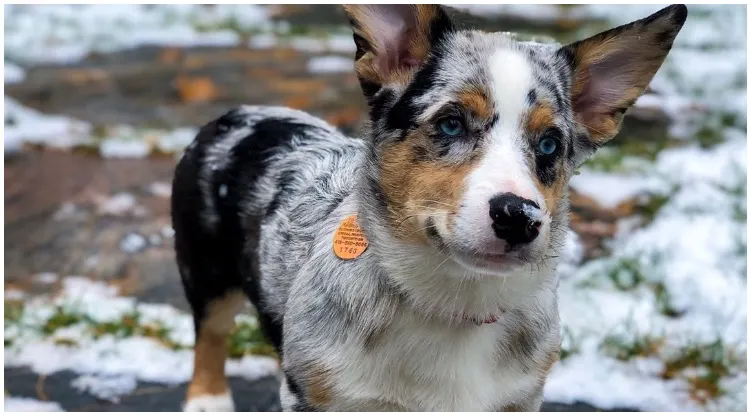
(625, 349)
(245, 339)
(13, 311)
(714, 362)
(701, 366)
(629, 274)
(60, 319)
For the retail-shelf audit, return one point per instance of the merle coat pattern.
(459, 185)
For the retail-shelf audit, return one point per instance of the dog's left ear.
(393, 40)
(612, 69)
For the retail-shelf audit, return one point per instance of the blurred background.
(101, 100)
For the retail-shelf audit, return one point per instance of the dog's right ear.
(393, 41)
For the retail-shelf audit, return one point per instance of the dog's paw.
(210, 403)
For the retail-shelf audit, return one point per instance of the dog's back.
(255, 169)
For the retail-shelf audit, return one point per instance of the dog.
(412, 269)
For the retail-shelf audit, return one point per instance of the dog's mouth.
(483, 262)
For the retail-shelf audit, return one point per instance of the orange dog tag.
(349, 241)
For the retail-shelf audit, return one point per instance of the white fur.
(423, 364)
(210, 403)
(503, 168)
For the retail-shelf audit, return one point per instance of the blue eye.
(547, 145)
(451, 127)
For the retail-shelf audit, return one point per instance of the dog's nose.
(515, 219)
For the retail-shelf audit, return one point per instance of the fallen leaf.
(196, 89)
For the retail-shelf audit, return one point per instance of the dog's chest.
(426, 368)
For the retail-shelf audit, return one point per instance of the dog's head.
(475, 135)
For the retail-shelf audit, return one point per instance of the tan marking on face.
(476, 99)
(419, 188)
(211, 346)
(554, 192)
(540, 118)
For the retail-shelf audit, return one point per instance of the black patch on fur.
(302, 404)
(493, 121)
(203, 279)
(545, 165)
(368, 88)
(431, 231)
(403, 114)
(531, 97)
(551, 87)
(284, 186)
(216, 260)
(378, 104)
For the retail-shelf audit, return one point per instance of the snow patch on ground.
(110, 365)
(14, 295)
(538, 12)
(27, 125)
(682, 277)
(161, 189)
(109, 388)
(13, 73)
(330, 64)
(16, 404)
(24, 124)
(609, 190)
(133, 243)
(117, 205)
(120, 148)
(46, 278)
(67, 33)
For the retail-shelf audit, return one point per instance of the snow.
(111, 366)
(133, 243)
(16, 404)
(13, 73)
(609, 190)
(24, 124)
(122, 148)
(263, 41)
(11, 294)
(538, 12)
(176, 140)
(109, 388)
(308, 44)
(571, 256)
(161, 189)
(331, 43)
(117, 205)
(168, 232)
(46, 278)
(694, 245)
(330, 64)
(67, 33)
